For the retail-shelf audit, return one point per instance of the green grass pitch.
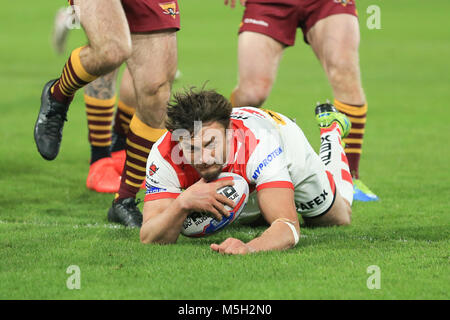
(49, 220)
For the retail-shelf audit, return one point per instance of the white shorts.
(314, 188)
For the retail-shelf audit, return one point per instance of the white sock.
(333, 156)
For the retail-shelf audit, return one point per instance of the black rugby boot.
(126, 212)
(49, 124)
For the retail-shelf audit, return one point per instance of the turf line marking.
(87, 226)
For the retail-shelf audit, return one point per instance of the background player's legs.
(60, 30)
(108, 142)
(333, 156)
(100, 98)
(152, 66)
(109, 46)
(126, 108)
(335, 41)
(258, 57)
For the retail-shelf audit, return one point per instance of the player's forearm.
(164, 228)
(278, 236)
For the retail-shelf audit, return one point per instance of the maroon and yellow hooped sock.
(100, 114)
(354, 141)
(140, 140)
(73, 77)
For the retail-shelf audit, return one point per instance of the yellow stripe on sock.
(352, 150)
(135, 156)
(96, 111)
(358, 131)
(96, 127)
(125, 108)
(350, 110)
(63, 89)
(135, 166)
(132, 183)
(69, 75)
(95, 118)
(131, 174)
(352, 140)
(142, 130)
(124, 118)
(100, 136)
(100, 144)
(357, 120)
(108, 103)
(66, 83)
(64, 92)
(78, 67)
(138, 147)
(69, 79)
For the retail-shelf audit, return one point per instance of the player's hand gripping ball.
(200, 224)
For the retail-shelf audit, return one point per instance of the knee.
(113, 54)
(253, 93)
(345, 218)
(341, 68)
(154, 97)
(158, 89)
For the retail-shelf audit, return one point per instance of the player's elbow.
(144, 237)
(147, 237)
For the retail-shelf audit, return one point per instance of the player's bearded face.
(206, 150)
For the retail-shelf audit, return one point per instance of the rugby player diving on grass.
(206, 136)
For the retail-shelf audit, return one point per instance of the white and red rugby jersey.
(256, 152)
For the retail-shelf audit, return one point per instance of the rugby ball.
(201, 224)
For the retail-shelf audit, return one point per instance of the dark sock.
(98, 153)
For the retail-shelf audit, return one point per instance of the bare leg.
(107, 29)
(109, 46)
(152, 66)
(127, 90)
(339, 215)
(126, 108)
(103, 87)
(100, 98)
(335, 41)
(259, 56)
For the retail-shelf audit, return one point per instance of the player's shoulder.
(247, 113)
(165, 148)
(163, 145)
(258, 118)
(250, 120)
(159, 158)
(254, 123)
(166, 163)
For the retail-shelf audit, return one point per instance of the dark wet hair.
(197, 105)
